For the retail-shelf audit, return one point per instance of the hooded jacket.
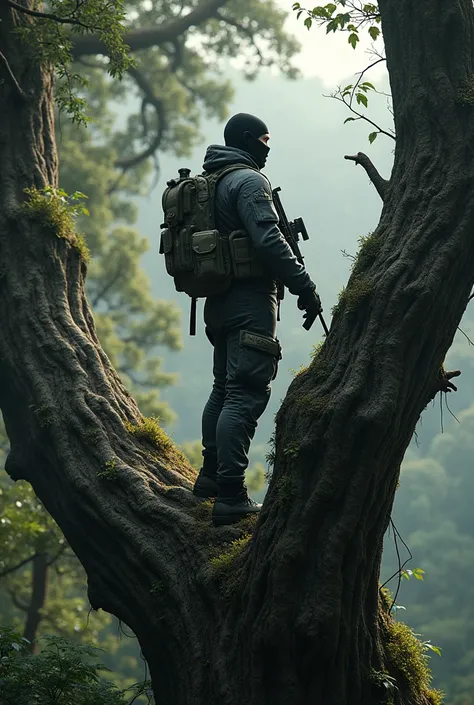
(244, 201)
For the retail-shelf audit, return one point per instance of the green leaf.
(349, 119)
(296, 6)
(347, 88)
(368, 85)
(374, 32)
(429, 646)
(361, 98)
(418, 573)
(330, 8)
(308, 22)
(373, 137)
(353, 39)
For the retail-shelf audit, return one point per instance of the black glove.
(310, 302)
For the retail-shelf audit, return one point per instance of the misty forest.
(353, 586)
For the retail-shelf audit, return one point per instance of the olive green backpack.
(201, 260)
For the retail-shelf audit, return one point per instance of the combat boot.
(233, 507)
(205, 486)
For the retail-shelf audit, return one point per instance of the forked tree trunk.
(293, 616)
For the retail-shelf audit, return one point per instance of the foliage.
(55, 209)
(407, 655)
(61, 674)
(353, 17)
(149, 430)
(50, 41)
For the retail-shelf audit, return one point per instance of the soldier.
(241, 323)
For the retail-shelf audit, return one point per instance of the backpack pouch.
(211, 261)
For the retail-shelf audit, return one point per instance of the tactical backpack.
(202, 261)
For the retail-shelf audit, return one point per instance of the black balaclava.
(242, 131)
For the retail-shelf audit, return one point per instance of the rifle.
(291, 232)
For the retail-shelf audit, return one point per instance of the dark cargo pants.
(241, 325)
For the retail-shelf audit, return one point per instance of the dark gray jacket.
(244, 201)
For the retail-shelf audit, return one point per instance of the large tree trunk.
(293, 615)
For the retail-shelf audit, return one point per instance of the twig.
(361, 75)
(378, 181)
(465, 334)
(47, 16)
(12, 76)
(6, 572)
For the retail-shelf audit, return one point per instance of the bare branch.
(378, 181)
(146, 37)
(57, 555)
(443, 383)
(47, 16)
(151, 99)
(12, 77)
(107, 286)
(16, 567)
(361, 75)
(17, 602)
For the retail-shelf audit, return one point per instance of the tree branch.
(47, 16)
(16, 567)
(146, 37)
(378, 181)
(443, 383)
(17, 603)
(151, 99)
(12, 77)
(247, 31)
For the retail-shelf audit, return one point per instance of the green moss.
(369, 248)
(465, 94)
(285, 490)
(148, 429)
(317, 350)
(157, 588)
(225, 566)
(292, 450)
(55, 210)
(44, 415)
(110, 471)
(312, 403)
(302, 369)
(358, 289)
(406, 654)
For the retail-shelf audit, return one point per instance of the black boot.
(205, 486)
(231, 506)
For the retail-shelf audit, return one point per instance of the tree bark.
(39, 587)
(293, 615)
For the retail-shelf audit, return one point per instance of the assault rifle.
(291, 232)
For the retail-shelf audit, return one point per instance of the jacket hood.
(218, 156)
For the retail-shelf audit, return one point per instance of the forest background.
(143, 322)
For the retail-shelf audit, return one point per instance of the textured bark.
(297, 619)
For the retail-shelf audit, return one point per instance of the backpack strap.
(192, 317)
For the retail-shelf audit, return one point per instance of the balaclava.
(242, 131)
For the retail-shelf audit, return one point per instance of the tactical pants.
(241, 325)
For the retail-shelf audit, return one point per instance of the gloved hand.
(310, 302)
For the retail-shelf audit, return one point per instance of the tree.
(130, 323)
(224, 601)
